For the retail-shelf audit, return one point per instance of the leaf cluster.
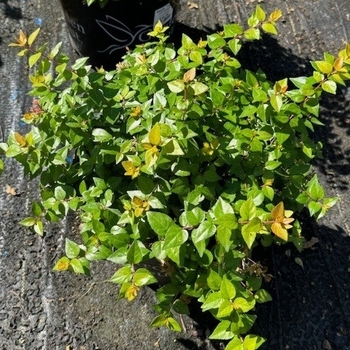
(179, 156)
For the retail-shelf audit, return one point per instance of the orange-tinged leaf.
(338, 63)
(279, 231)
(21, 40)
(20, 139)
(275, 15)
(189, 75)
(154, 135)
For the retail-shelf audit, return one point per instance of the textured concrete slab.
(40, 309)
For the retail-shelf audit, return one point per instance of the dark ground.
(40, 309)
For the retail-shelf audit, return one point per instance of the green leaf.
(214, 280)
(143, 277)
(235, 46)
(269, 28)
(314, 207)
(222, 331)
(262, 296)
(159, 321)
(250, 230)
(72, 249)
(315, 190)
(329, 86)
(252, 34)
(260, 13)
(123, 275)
(248, 210)
(221, 207)
(232, 30)
(172, 148)
(196, 57)
(77, 266)
(199, 88)
(323, 66)
(159, 222)
(234, 344)
(228, 221)
(205, 230)
(175, 237)
(243, 305)
(28, 222)
(60, 193)
(276, 102)
(101, 135)
(224, 237)
(177, 254)
(181, 307)
(176, 86)
(227, 289)
(33, 36)
(39, 228)
(33, 59)
(135, 253)
(195, 216)
(119, 256)
(213, 301)
(225, 309)
(173, 325)
(272, 164)
(252, 342)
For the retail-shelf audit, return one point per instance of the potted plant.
(103, 30)
(180, 157)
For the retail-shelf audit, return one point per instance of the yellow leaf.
(189, 75)
(147, 146)
(33, 36)
(277, 212)
(136, 112)
(62, 264)
(275, 15)
(151, 156)
(131, 292)
(137, 202)
(338, 63)
(130, 169)
(20, 139)
(21, 40)
(279, 231)
(154, 135)
(138, 212)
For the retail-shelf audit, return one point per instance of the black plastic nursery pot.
(104, 34)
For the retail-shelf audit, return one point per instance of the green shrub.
(179, 156)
